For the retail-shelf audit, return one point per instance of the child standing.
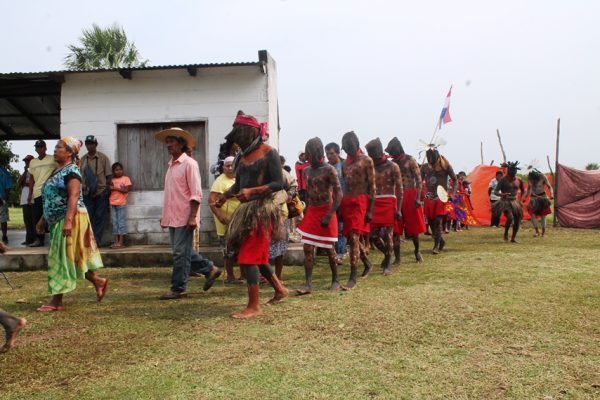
(119, 191)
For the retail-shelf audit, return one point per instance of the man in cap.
(40, 169)
(26, 185)
(181, 208)
(95, 171)
(299, 167)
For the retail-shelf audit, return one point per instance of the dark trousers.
(97, 208)
(30, 234)
(38, 212)
(495, 215)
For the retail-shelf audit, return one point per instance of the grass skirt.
(256, 216)
(70, 257)
(508, 206)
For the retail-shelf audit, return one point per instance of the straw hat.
(177, 132)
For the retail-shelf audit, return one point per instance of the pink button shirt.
(182, 185)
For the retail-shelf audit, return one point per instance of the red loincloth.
(434, 208)
(384, 211)
(354, 209)
(311, 230)
(413, 221)
(255, 248)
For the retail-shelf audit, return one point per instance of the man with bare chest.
(539, 203)
(388, 201)
(435, 173)
(508, 189)
(258, 176)
(413, 221)
(319, 227)
(357, 203)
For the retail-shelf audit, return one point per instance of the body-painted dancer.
(388, 201)
(539, 202)
(413, 221)
(435, 173)
(357, 203)
(509, 204)
(319, 228)
(258, 176)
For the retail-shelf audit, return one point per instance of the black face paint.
(432, 156)
(350, 143)
(394, 148)
(314, 151)
(375, 149)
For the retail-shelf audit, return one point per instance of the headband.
(251, 121)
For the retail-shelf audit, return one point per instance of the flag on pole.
(445, 115)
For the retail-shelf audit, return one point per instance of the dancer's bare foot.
(11, 335)
(350, 285)
(506, 237)
(279, 296)
(101, 285)
(335, 286)
(247, 313)
(419, 257)
(513, 241)
(396, 262)
(304, 290)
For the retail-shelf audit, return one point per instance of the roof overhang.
(30, 101)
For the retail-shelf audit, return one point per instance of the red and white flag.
(445, 115)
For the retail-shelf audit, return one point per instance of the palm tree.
(103, 48)
(592, 166)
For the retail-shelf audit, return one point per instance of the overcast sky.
(380, 68)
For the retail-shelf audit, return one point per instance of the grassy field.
(486, 319)
(15, 216)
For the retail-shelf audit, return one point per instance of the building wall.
(95, 103)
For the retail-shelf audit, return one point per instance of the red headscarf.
(251, 121)
(350, 159)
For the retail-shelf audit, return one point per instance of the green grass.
(486, 319)
(15, 216)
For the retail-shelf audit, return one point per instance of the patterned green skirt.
(70, 257)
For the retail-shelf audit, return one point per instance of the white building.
(124, 108)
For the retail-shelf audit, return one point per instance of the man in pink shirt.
(181, 208)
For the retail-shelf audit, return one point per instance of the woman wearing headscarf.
(73, 252)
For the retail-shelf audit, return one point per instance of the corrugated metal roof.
(149, 68)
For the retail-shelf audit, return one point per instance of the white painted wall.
(94, 103)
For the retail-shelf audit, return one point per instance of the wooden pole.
(555, 180)
(481, 152)
(501, 147)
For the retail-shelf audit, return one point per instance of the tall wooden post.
(481, 152)
(501, 147)
(555, 180)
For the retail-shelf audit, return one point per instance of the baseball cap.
(91, 139)
(28, 157)
(40, 143)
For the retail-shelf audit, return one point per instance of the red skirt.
(311, 230)
(434, 208)
(384, 211)
(412, 220)
(255, 248)
(353, 210)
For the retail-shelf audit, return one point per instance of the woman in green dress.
(73, 252)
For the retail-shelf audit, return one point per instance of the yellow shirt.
(41, 170)
(221, 185)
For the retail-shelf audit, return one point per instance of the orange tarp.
(480, 179)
